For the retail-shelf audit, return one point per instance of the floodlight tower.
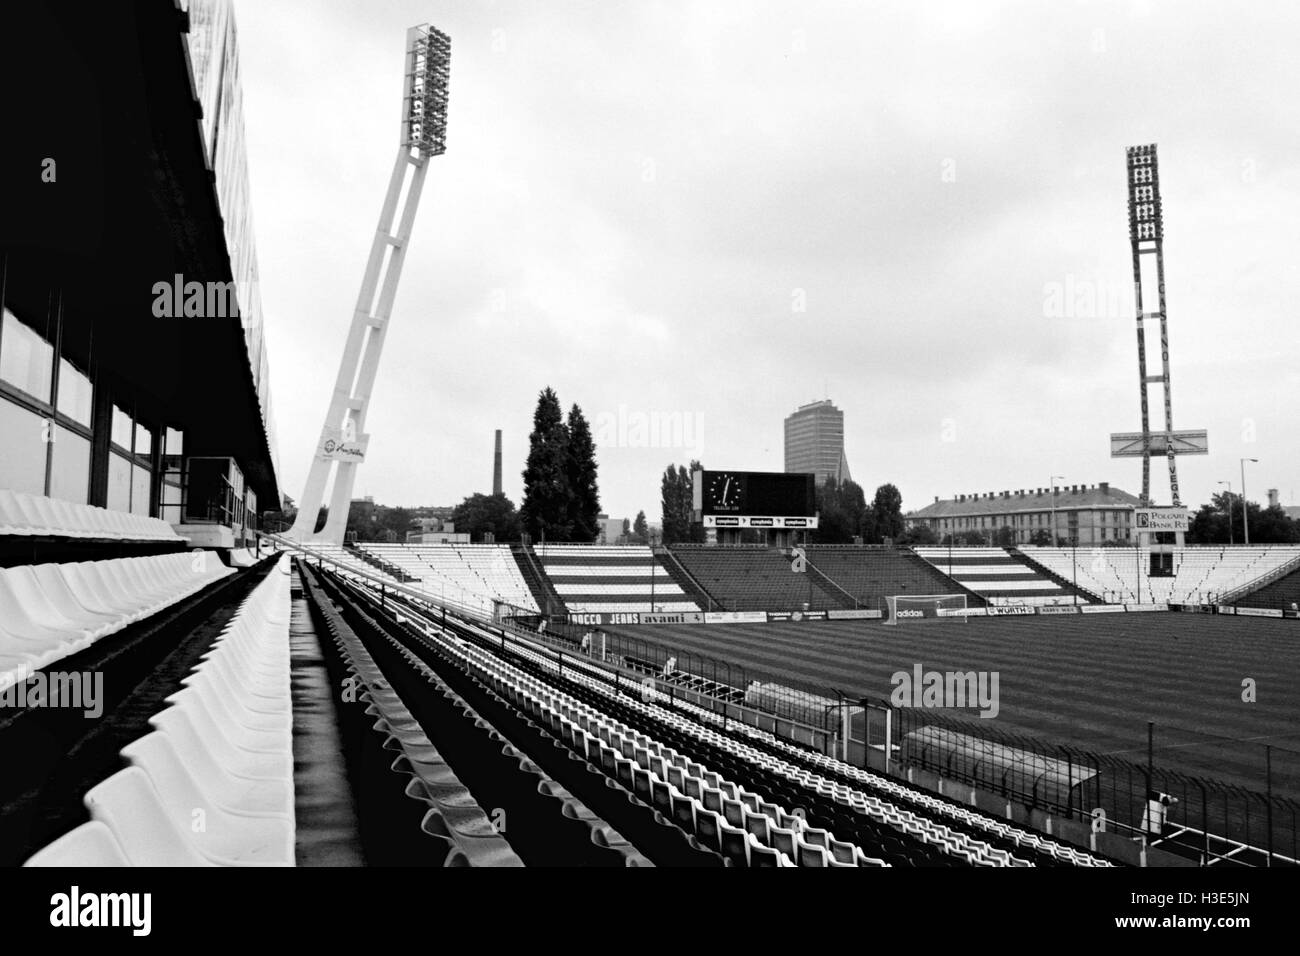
(343, 438)
(1147, 236)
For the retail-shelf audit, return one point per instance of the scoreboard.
(755, 499)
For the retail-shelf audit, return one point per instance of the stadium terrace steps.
(49, 611)
(1280, 594)
(1201, 574)
(459, 830)
(611, 578)
(1065, 583)
(997, 576)
(832, 590)
(871, 574)
(223, 747)
(544, 594)
(753, 579)
(378, 561)
(36, 515)
(684, 580)
(487, 742)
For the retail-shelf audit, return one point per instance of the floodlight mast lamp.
(343, 439)
(1147, 237)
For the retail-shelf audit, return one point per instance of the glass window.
(22, 463)
(70, 473)
(140, 490)
(74, 393)
(175, 442)
(26, 359)
(143, 440)
(121, 429)
(119, 483)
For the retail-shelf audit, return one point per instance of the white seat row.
(860, 799)
(594, 734)
(23, 514)
(1201, 574)
(48, 611)
(469, 575)
(212, 785)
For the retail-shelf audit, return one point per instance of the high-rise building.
(814, 442)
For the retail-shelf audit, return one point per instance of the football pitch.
(1091, 682)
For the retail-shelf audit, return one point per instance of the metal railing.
(1207, 820)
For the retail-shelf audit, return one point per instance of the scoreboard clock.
(755, 499)
(725, 493)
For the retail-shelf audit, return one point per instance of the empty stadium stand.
(1201, 574)
(38, 516)
(753, 579)
(49, 611)
(729, 788)
(471, 575)
(611, 578)
(1281, 593)
(871, 574)
(223, 748)
(684, 580)
(475, 746)
(543, 591)
(997, 576)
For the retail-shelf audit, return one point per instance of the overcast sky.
(703, 215)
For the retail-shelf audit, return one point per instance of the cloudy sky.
(690, 218)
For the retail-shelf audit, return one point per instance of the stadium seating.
(996, 575)
(715, 807)
(49, 611)
(1202, 574)
(222, 750)
(611, 578)
(872, 574)
(1280, 594)
(753, 579)
(36, 515)
(468, 575)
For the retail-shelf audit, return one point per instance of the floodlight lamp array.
(428, 74)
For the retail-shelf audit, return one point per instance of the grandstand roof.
(1068, 498)
(133, 159)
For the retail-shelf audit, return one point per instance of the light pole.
(1229, 509)
(1245, 518)
(343, 440)
(1052, 479)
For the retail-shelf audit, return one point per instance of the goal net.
(915, 607)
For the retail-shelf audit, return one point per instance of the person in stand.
(586, 643)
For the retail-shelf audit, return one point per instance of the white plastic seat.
(129, 805)
(255, 730)
(91, 844)
(51, 581)
(193, 727)
(27, 617)
(244, 834)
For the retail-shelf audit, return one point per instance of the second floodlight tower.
(343, 439)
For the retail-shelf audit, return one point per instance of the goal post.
(916, 607)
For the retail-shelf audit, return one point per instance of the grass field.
(1091, 682)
